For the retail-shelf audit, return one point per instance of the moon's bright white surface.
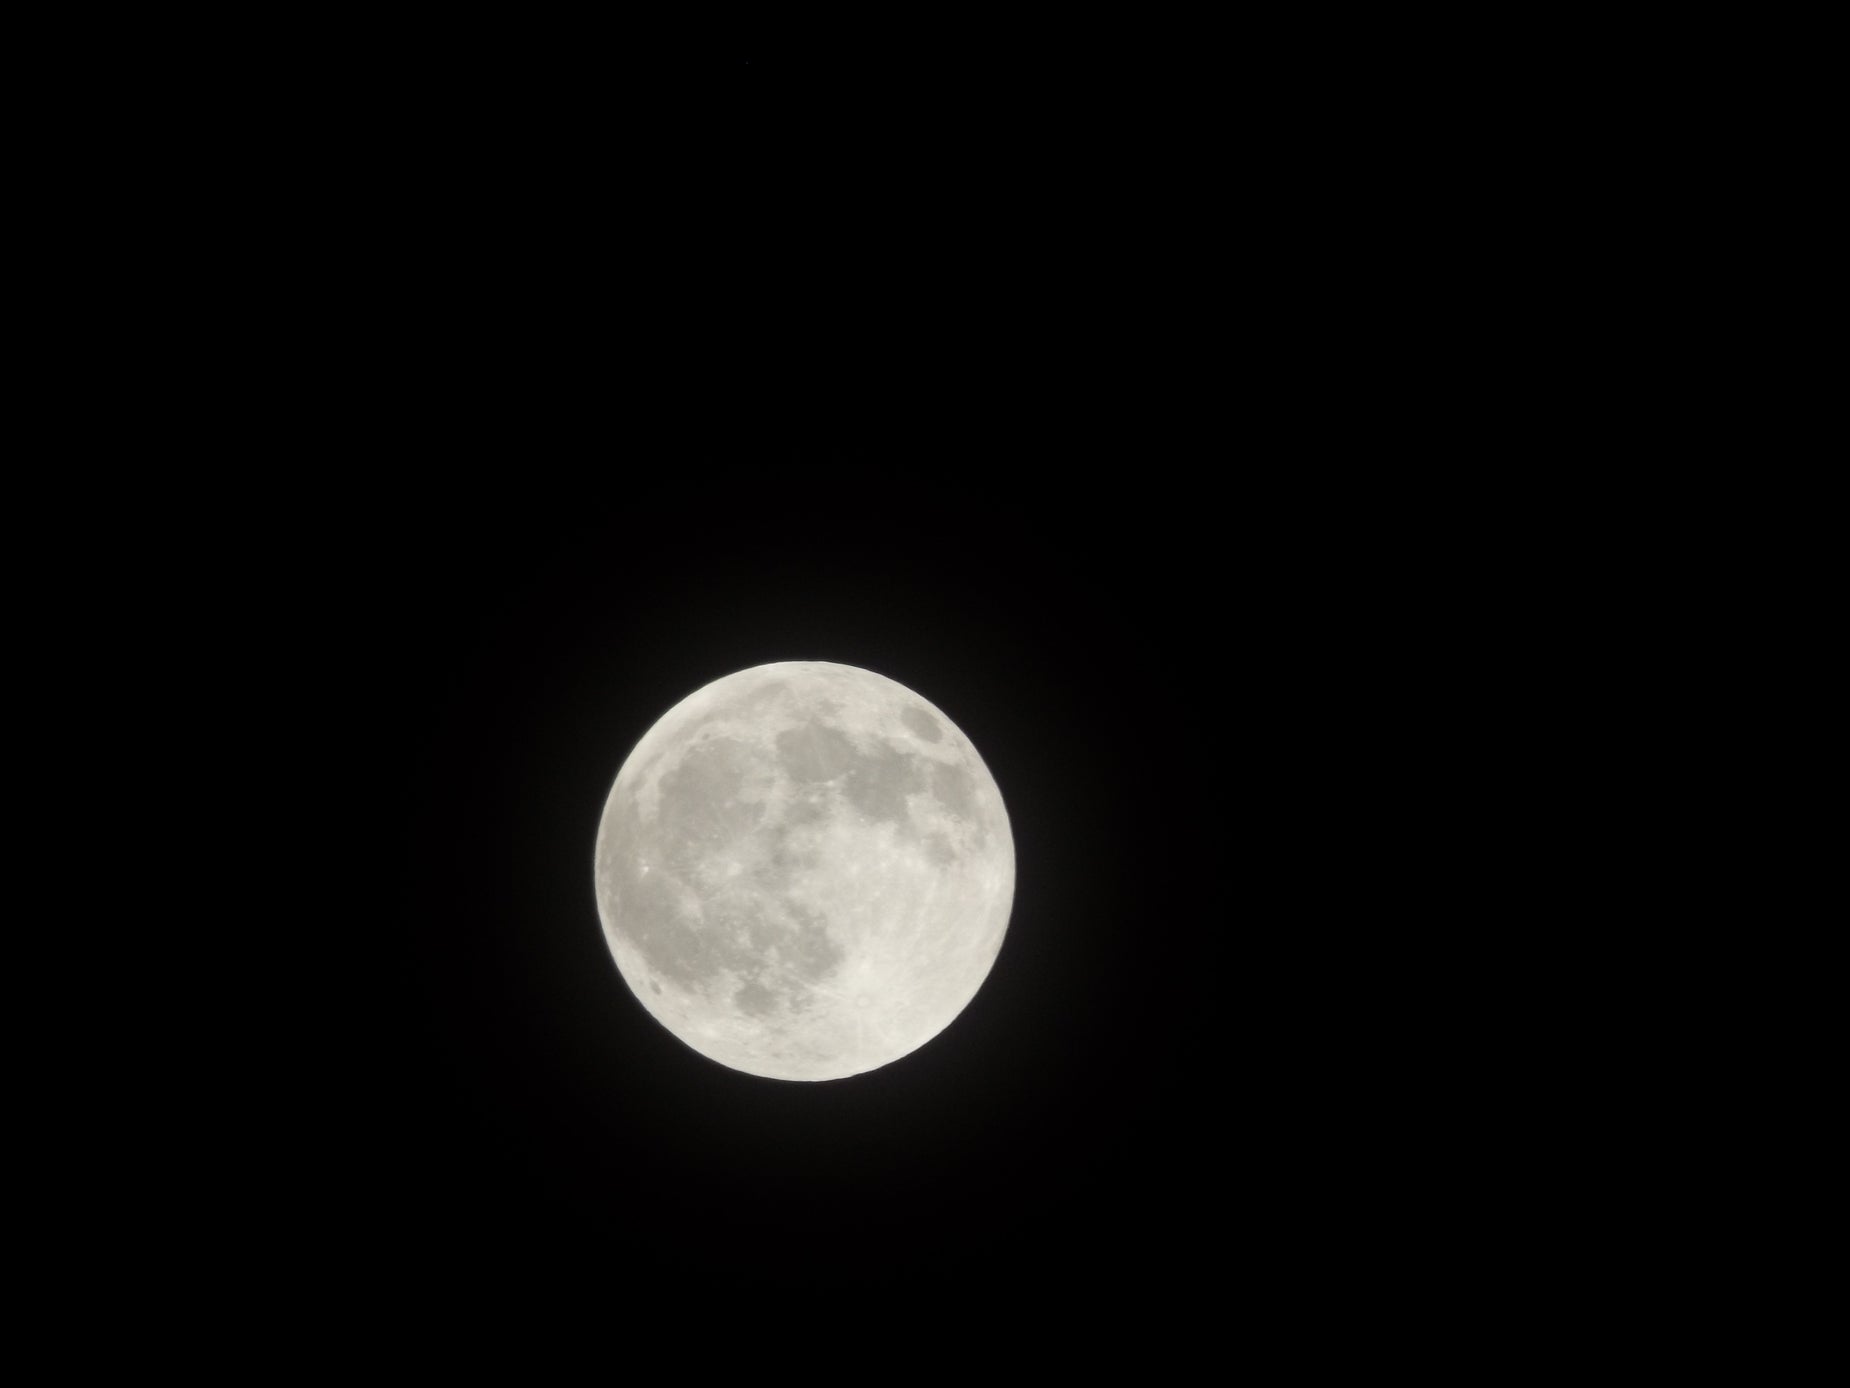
(804, 871)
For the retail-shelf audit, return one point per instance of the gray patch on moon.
(955, 788)
(755, 1000)
(701, 805)
(921, 723)
(951, 784)
(786, 959)
(649, 916)
(814, 752)
(880, 781)
(652, 869)
(810, 808)
(811, 951)
(760, 933)
(783, 860)
(938, 849)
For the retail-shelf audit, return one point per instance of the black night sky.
(948, 399)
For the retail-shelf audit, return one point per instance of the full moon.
(804, 871)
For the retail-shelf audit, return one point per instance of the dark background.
(564, 396)
(1212, 425)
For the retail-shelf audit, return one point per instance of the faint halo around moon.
(804, 871)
